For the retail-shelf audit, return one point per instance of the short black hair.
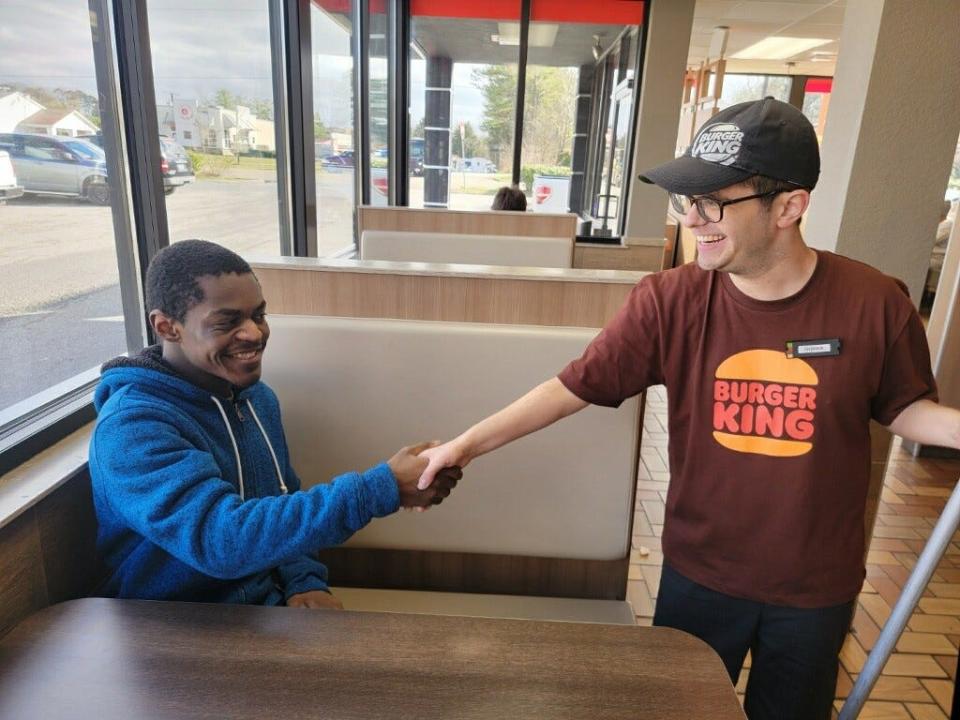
(509, 198)
(172, 286)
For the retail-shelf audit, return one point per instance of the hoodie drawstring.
(283, 486)
(233, 440)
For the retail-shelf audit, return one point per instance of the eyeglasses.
(711, 209)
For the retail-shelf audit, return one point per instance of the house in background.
(215, 129)
(15, 107)
(57, 121)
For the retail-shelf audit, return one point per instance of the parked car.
(175, 166)
(49, 165)
(9, 188)
(338, 162)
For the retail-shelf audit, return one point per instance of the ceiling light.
(779, 48)
(540, 35)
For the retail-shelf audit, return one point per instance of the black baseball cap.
(761, 137)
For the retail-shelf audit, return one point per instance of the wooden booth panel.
(48, 553)
(402, 294)
(410, 296)
(491, 222)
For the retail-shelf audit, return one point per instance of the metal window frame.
(641, 52)
(521, 97)
(361, 127)
(281, 124)
(297, 82)
(398, 102)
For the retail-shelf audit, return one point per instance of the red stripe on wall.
(610, 12)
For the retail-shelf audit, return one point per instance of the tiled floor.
(917, 682)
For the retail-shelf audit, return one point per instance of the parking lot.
(60, 310)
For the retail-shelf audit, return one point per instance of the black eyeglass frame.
(676, 201)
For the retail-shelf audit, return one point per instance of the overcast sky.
(199, 47)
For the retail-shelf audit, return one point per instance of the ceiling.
(750, 21)
(469, 41)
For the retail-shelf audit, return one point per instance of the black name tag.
(813, 348)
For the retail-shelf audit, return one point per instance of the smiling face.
(743, 242)
(220, 343)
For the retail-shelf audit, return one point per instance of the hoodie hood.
(149, 370)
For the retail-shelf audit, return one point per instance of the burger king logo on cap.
(718, 143)
(764, 403)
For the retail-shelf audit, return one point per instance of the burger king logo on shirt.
(764, 403)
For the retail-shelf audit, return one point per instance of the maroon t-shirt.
(769, 454)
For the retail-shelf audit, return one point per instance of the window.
(333, 130)
(743, 88)
(463, 90)
(213, 80)
(569, 48)
(60, 310)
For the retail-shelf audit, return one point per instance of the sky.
(199, 47)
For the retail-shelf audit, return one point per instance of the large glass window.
(463, 89)
(568, 48)
(743, 88)
(60, 305)
(333, 125)
(214, 93)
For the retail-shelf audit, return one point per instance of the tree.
(225, 99)
(473, 145)
(320, 131)
(498, 85)
(262, 109)
(550, 103)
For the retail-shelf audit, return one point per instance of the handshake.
(409, 465)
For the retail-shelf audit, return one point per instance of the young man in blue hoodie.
(192, 483)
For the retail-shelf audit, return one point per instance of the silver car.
(50, 165)
(8, 180)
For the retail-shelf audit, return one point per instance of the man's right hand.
(449, 455)
(408, 465)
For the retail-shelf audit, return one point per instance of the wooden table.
(104, 659)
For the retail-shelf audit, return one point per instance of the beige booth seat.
(442, 247)
(355, 390)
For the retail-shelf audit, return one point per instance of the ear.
(792, 207)
(164, 326)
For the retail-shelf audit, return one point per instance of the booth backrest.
(439, 247)
(487, 222)
(353, 391)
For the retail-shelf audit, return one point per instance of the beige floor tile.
(639, 598)
(932, 643)
(924, 711)
(946, 590)
(921, 666)
(940, 606)
(942, 691)
(900, 689)
(934, 623)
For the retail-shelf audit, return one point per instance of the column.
(661, 95)
(581, 131)
(436, 147)
(890, 136)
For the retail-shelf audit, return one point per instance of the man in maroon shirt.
(775, 357)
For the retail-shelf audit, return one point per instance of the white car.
(8, 180)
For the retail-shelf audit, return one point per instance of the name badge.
(813, 348)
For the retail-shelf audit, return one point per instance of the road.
(60, 311)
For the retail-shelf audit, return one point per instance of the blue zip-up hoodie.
(195, 496)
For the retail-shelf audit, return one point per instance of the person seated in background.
(193, 488)
(509, 198)
(944, 228)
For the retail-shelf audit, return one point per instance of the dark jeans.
(794, 651)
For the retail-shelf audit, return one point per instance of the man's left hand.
(315, 599)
